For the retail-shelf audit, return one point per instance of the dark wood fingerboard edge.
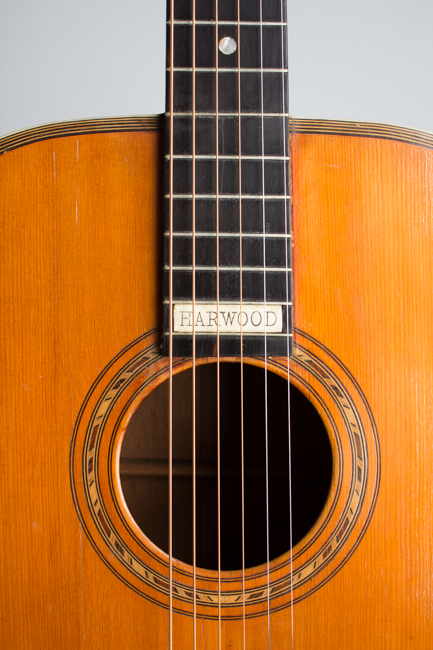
(361, 129)
(81, 127)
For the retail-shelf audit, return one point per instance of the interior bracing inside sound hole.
(144, 466)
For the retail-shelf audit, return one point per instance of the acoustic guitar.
(200, 448)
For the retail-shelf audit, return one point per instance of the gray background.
(73, 59)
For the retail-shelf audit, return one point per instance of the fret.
(282, 335)
(228, 302)
(271, 351)
(198, 235)
(223, 157)
(196, 114)
(258, 197)
(260, 269)
(232, 70)
(235, 23)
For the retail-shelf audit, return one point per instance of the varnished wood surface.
(80, 260)
(81, 280)
(363, 268)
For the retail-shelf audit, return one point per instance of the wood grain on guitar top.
(81, 279)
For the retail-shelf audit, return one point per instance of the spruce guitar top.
(216, 366)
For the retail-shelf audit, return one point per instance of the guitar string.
(194, 376)
(217, 189)
(241, 334)
(265, 333)
(170, 343)
(287, 227)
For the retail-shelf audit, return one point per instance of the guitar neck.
(227, 269)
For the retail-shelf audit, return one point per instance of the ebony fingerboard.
(227, 121)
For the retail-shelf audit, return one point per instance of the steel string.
(194, 422)
(217, 333)
(241, 331)
(287, 229)
(265, 336)
(170, 338)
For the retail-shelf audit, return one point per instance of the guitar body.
(81, 299)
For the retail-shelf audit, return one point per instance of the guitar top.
(166, 302)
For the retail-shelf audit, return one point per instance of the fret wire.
(220, 70)
(257, 197)
(250, 334)
(221, 157)
(220, 114)
(261, 269)
(245, 23)
(270, 303)
(258, 235)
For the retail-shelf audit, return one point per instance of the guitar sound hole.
(144, 466)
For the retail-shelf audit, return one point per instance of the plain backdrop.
(72, 59)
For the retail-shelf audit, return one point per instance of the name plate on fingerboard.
(227, 318)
